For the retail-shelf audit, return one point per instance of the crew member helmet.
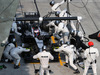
(61, 43)
(68, 43)
(52, 2)
(13, 40)
(12, 30)
(90, 43)
(57, 22)
(57, 13)
(72, 32)
(19, 22)
(44, 48)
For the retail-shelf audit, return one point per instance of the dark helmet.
(12, 30)
(61, 43)
(19, 22)
(52, 2)
(36, 26)
(13, 40)
(57, 13)
(44, 48)
(57, 22)
(72, 32)
(68, 43)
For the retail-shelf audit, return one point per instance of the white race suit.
(91, 55)
(7, 51)
(15, 54)
(59, 28)
(44, 61)
(69, 51)
(56, 6)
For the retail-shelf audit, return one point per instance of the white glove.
(28, 49)
(55, 50)
(51, 23)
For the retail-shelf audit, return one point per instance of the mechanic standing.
(44, 57)
(69, 51)
(90, 55)
(15, 55)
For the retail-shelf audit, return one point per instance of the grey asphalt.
(76, 9)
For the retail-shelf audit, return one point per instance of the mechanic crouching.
(7, 50)
(44, 57)
(15, 55)
(9, 43)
